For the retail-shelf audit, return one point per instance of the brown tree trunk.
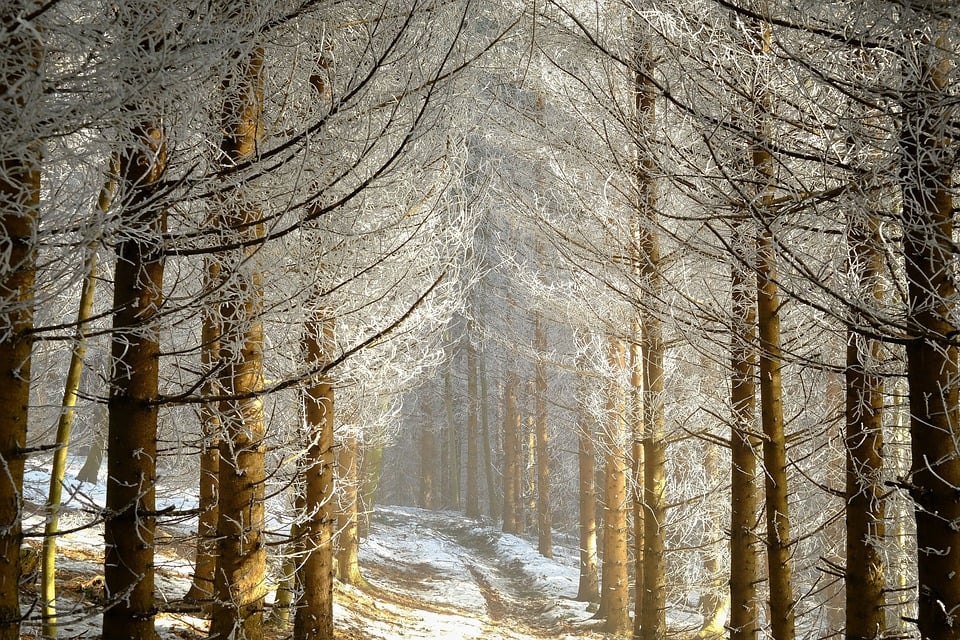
(589, 586)
(314, 616)
(201, 589)
(451, 446)
(348, 543)
(239, 580)
(511, 455)
(646, 258)
(428, 456)
(779, 564)
(926, 180)
(614, 584)
(744, 620)
(487, 445)
(132, 430)
(48, 563)
(637, 471)
(544, 511)
(865, 493)
(19, 209)
(473, 457)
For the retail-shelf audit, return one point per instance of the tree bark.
(511, 455)
(779, 565)
(428, 456)
(201, 589)
(48, 563)
(348, 543)
(487, 445)
(614, 584)
(926, 180)
(19, 210)
(132, 430)
(646, 267)
(588, 589)
(314, 616)
(473, 458)
(865, 492)
(544, 511)
(744, 621)
(239, 580)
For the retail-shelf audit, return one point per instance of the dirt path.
(450, 580)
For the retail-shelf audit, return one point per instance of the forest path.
(439, 575)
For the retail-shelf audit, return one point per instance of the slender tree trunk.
(544, 511)
(428, 454)
(314, 616)
(511, 454)
(637, 471)
(487, 445)
(715, 600)
(473, 457)
(926, 179)
(451, 468)
(646, 257)
(744, 621)
(239, 580)
(589, 586)
(614, 585)
(348, 544)
(201, 589)
(48, 566)
(132, 432)
(865, 510)
(19, 210)
(530, 475)
(779, 565)
(779, 543)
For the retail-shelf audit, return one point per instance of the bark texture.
(239, 580)
(314, 616)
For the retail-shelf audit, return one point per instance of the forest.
(672, 279)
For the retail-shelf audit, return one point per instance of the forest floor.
(429, 575)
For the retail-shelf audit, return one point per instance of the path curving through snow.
(437, 575)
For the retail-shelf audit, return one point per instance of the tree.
(926, 182)
(314, 615)
(614, 586)
(241, 555)
(20, 84)
(544, 516)
(130, 523)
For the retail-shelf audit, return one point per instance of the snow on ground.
(430, 575)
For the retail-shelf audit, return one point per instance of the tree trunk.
(314, 617)
(614, 585)
(778, 542)
(48, 570)
(239, 580)
(646, 266)
(511, 455)
(637, 471)
(744, 621)
(201, 589)
(348, 544)
(19, 209)
(926, 180)
(132, 430)
(428, 455)
(865, 493)
(486, 444)
(589, 587)
(473, 457)
(544, 511)
(451, 444)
